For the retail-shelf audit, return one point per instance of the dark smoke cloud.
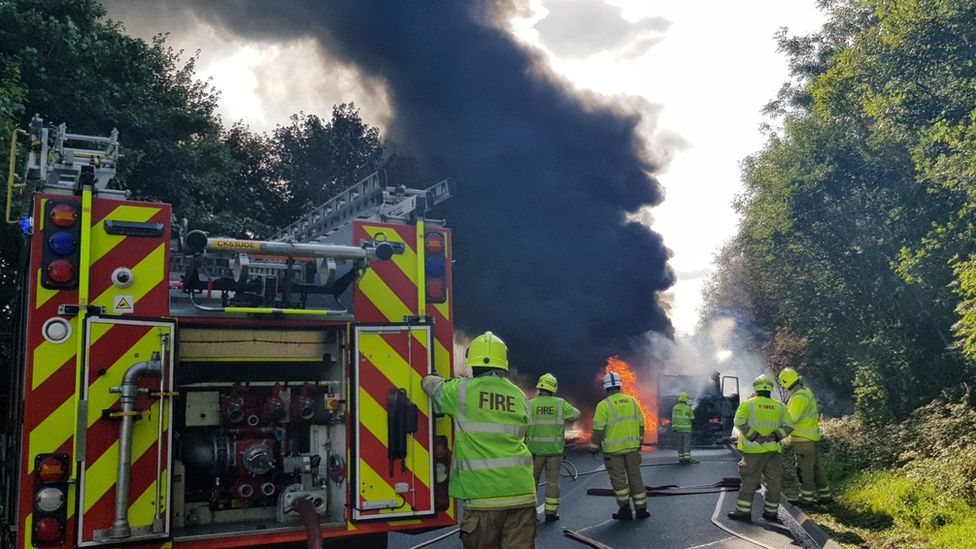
(546, 257)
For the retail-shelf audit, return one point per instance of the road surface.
(676, 521)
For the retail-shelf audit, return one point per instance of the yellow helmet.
(683, 397)
(788, 377)
(487, 351)
(762, 383)
(547, 382)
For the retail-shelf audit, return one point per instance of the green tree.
(855, 214)
(316, 159)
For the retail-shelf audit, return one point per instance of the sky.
(699, 70)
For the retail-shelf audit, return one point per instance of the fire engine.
(177, 389)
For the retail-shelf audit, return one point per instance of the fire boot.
(552, 518)
(740, 517)
(772, 517)
(642, 514)
(624, 514)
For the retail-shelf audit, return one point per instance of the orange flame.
(647, 399)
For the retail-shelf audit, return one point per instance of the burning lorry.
(714, 399)
(175, 389)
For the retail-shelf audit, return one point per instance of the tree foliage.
(856, 234)
(63, 60)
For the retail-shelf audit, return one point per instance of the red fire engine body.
(180, 390)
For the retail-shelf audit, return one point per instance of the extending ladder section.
(369, 199)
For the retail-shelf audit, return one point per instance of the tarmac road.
(676, 521)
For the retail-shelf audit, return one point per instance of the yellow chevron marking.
(99, 397)
(143, 509)
(407, 262)
(42, 294)
(53, 431)
(100, 476)
(442, 360)
(48, 357)
(376, 424)
(148, 273)
(396, 369)
(379, 489)
(376, 290)
(102, 242)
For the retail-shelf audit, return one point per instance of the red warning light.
(48, 530)
(435, 289)
(61, 271)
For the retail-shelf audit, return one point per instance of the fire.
(647, 402)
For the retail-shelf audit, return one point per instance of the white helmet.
(612, 379)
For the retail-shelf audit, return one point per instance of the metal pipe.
(267, 310)
(198, 242)
(128, 392)
(11, 175)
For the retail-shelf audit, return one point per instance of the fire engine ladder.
(371, 200)
(368, 200)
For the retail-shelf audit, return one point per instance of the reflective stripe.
(743, 505)
(544, 439)
(496, 463)
(497, 428)
(547, 422)
(508, 502)
(621, 441)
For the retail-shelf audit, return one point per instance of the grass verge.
(906, 485)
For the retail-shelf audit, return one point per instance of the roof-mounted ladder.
(369, 199)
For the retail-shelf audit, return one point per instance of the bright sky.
(702, 70)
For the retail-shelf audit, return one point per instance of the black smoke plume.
(546, 256)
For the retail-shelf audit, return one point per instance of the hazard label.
(123, 304)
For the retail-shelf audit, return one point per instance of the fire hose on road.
(727, 484)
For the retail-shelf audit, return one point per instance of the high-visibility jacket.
(492, 467)
(682, 416)
(547, 425)
(621, 420)
(803, 410)
(762, 417)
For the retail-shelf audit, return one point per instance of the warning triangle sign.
(123, 304)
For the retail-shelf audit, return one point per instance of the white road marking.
(718, 509)
(716, 543)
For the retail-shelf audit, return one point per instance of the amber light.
(434, 243)
(64, 215)
(52, 469)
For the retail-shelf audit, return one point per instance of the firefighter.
(802, 408)
(492, 467)
(682, 416)
(546, 438)
(762, 423)
(618, 428)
